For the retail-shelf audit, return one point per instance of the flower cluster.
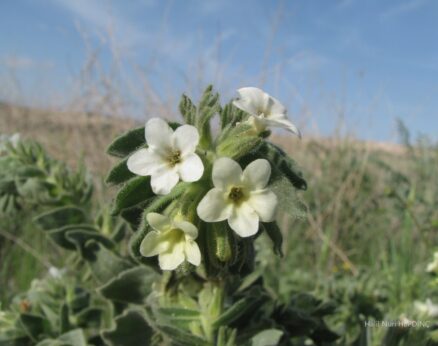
(240, 196)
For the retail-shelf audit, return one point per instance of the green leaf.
(60, 217)
(34, 325)
(274, 232)
(74, 337)
(59, 236)
(289, 202)
(127, 143)
(187, 110)
(130, 286)
(134, 192)
(267, 337)
(105, 264)
(238, 309)
(286, 165)
(81, 237)
(119, 173)
(130, 329)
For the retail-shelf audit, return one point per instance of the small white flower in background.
(239, 197)
(432, 267)
(265, 110)
(6, 139)
(427, 308)
(172, 240)
(56, 273)
(170, 156)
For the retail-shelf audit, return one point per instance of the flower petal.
(185, 138)
(145, 162)
(251, 100)
(191, 168)
(274, 107)
(279, 120)
(192, 252)
(264, 203)
(226, 172)
(244, 220)
(187, 227)
(214, 207)
(158, 134)
(171, 259)
(158, 222)
(153, 244)
(163, 181)
(256, 174)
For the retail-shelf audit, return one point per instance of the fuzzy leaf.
(267, 337)
(187, 109)
(135, 191)
(130, 329)
(131, 286)
(274, 232)
(60, 217)
(127, 142)
(119, 173)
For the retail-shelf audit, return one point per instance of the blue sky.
(363, 62)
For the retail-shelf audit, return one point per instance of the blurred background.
(344, 65)
(359, 78)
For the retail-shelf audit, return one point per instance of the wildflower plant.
(173, 261)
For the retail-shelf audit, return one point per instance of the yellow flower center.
(237, 194)
(174, 158)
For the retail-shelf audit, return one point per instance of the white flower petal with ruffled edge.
(163, 181)
(188, 228)
(145, 162)
(244, 220)
(185, 138)
(265, 110)
(192, 252)
(264, 203)
(171, 259)
(226, 172)
(158, 134)
(153, 244)
(158, 222)
(251, 100)
(214, 206)
(191, 168)
(283, 122)
(256, 175)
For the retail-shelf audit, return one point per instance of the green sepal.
(134, 192)
(274, 233)
(239, 141)
(230, 115)
(208, 107)
(224, 243)
(119, 173)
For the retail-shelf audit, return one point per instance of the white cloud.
(23, 62)
(306, 60)
(402, 7)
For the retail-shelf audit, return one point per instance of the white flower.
(427, 308)
(239, 197)
(6, 139)
(265, 110)
(172, 240)
(432, 267)
(170, 156)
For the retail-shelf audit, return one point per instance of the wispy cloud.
(307, 60)
(23, 62)
(402, 8)
(103, 18)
